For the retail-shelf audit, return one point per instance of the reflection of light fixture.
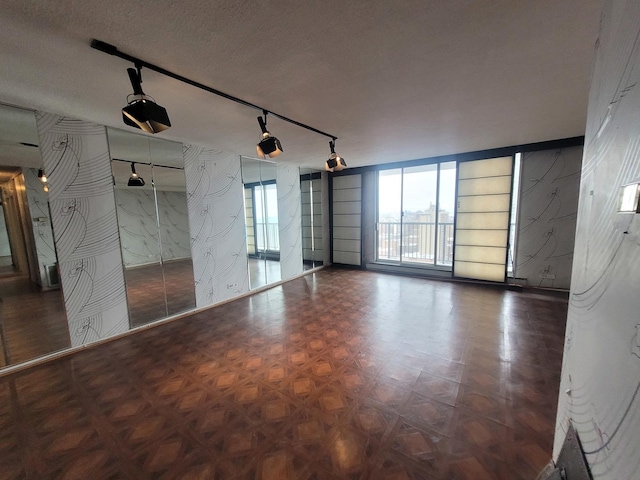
(335, 163)
(45, 187)
(134, 179)
(42, 176)
(269, 146)
(142, 111)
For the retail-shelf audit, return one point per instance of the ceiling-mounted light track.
(112, 50)
(335, 163)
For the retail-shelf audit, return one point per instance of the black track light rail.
(146, 163)
(113, 50)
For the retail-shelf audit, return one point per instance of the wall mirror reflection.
(153, 220)
(312, 226)
(261, 219)
(33, 320)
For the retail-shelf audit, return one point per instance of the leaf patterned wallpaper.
(76, 158)
(548, 207)
(215, 202)
(600, 382)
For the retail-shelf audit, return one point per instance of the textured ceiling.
(394, 80)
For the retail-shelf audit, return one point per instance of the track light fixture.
(134, 179)
(335, 163)
(269, 146)
(142, 111)
(42, 176)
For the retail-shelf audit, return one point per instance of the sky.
(420, 185)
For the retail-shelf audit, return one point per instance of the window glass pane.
(389, 213)
(419, 187)
(446, 212)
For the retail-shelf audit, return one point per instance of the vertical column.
(289, 220)
(76, 159)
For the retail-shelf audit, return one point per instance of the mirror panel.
(261, 220)
(28, 260)
(154, 226)
(311, 198)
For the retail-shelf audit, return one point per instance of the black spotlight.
(134, 179)
(335, 163)
(269, 146)
(142, 111)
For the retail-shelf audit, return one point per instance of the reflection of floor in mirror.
(145, 291)
(32, 322)
(262, 272)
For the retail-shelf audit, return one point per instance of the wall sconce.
(628, 198)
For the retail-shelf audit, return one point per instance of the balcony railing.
(267, 237)
(418, 242)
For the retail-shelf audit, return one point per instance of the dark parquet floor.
(341, 374)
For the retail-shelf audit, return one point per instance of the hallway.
(340, 374)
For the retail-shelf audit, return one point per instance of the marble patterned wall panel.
(548, 207)
(76, 158)
(41, 222)
(600, 381)
(289, 220)
(138, 227)
(216, 219)
(174, 225)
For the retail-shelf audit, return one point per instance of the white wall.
(601, 364)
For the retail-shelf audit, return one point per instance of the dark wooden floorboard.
(339, 374)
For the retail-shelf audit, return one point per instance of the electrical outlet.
(232, 285)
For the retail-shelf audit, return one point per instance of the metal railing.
(418, 242)
(267, 236)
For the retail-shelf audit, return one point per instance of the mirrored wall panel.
(33, 320)
(153, 222)
(261, 219)
(312, 227)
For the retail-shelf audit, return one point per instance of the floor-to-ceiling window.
(416, 213)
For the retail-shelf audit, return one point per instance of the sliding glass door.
(416, 213)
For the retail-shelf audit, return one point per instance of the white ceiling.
(394, 80)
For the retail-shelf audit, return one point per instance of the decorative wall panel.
(548, 207)
(76, 158)
(216, 219)
(600, 384)
(289, 220)
(347, 219)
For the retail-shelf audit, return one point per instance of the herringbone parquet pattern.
(340, 374)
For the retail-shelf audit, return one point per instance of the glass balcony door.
(415, 214)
